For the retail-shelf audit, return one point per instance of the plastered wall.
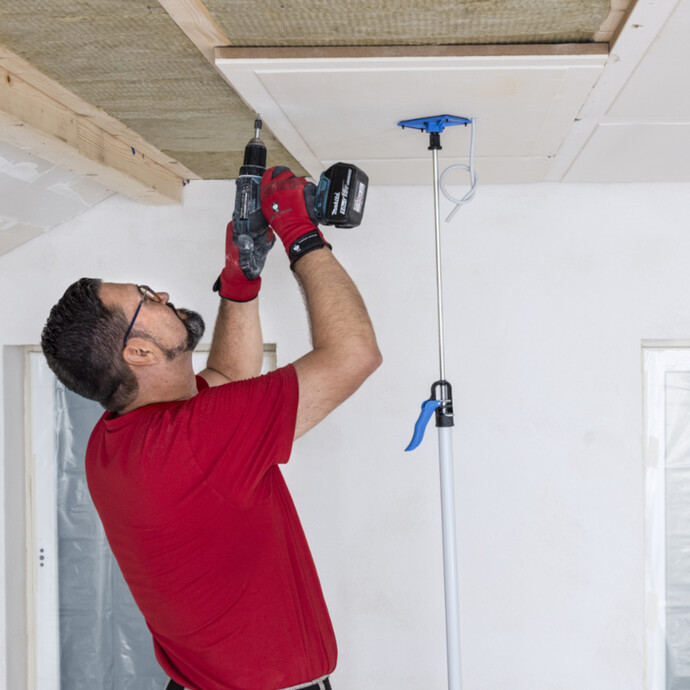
(550, 291)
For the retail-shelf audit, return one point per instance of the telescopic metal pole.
(444, 422)
(441, 404)
(439, 264)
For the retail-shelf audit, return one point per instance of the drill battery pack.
(340, 196)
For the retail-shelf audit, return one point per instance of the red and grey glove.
(288, 205)
(245, 256)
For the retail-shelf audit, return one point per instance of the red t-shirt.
(202, 525)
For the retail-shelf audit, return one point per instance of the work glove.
(245, 256)
(287, 202)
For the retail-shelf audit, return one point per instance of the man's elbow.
(376, 359)
(365, 361)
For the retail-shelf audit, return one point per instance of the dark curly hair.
(82, 342)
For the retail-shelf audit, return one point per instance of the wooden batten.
(42, 117)
(197, 24)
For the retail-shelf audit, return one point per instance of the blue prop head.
(437, 123)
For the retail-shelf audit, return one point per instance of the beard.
(195, 327)
(194, 323)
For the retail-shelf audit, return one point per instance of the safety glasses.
(146, 294)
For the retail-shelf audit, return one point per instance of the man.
(183, 469)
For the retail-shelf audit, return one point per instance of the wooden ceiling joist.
(197, 24)
(40, 116)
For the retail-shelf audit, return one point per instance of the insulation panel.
(408, 22)
(131, 60)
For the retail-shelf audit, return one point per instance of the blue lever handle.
(428, 408)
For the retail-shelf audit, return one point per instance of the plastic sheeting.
(667, 529)
(677, 500)
(104, 641)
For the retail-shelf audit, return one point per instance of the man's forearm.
(344, 345)
(237, 345)
(337, 314)
(345, 351)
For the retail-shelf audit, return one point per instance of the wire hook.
(473, 179)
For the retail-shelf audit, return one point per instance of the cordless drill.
(248, 181)
(339, 197)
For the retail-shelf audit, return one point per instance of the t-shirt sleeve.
(239, 430)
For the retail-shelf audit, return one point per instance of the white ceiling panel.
(326, 109)
(38, 195)
(635, 125)
(499, 170)
(649, 152)
(659, 86)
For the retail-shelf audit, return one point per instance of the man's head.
(173, 331)
(83, 338)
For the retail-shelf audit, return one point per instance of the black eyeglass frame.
(146, 293)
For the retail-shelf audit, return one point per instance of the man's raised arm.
(237, 345)
(344, 350)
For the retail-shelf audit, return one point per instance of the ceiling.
(104, 96)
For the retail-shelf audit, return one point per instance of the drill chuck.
(254, 153)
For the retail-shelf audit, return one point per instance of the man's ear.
(139, 352)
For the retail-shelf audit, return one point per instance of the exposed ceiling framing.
(40, 115)
(151, 65)
(129, 96)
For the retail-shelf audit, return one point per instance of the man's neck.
(168, 383)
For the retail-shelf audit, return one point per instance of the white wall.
(550, 290)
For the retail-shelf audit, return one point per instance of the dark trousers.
(172, 685)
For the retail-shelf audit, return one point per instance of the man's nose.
(164, 297)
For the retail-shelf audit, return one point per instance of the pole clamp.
(441, 403)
